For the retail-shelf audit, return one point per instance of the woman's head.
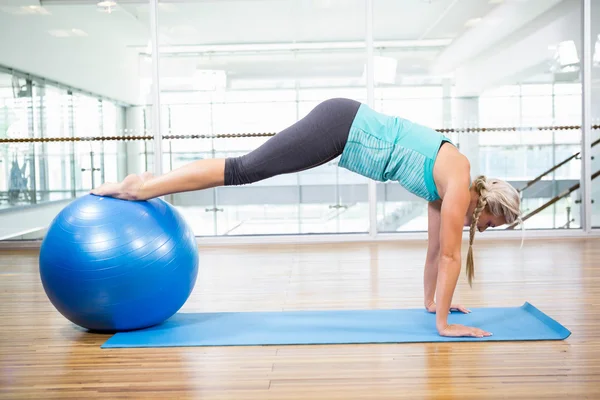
(498, 203)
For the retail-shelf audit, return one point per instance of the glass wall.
(41, 161)
(492, 81)
(501, 80)
(543, 116)
(236, 81)
(595, 110)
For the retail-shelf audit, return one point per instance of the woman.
(379, 147)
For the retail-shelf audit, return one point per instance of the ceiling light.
(274, 47)
(65, 33)
(472, 22)
(78, 32)
(493, 21)
(107, 6)
(25, 10)
(60, 33)
(567, 53)
(565, 57)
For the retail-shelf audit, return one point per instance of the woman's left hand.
(454, 307)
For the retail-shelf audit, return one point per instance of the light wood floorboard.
(43, 356)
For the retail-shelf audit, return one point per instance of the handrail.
(530, 183)
(552, 201)
(145, 136)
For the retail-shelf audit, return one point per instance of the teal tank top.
(386, 148)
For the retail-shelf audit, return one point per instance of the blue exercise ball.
(117, 265)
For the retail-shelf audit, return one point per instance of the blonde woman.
(380, 147)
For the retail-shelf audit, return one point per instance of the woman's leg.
(314, 140)
(196, 175)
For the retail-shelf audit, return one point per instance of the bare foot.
(128, 189)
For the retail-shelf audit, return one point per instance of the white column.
(371, 102)
(586, 77)
(156, 109)
(121, 145)
(447, 105)
(135, 162)
(466, 115)
(595, 151)
(595, 134)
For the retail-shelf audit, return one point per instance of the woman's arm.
(454, 208)
(433, 254)
(432, 261)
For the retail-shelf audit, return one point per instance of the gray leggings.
(312, 141)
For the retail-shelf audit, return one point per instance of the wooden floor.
(43, 356)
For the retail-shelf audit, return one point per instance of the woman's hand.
(454, 307)
(455, 329)
(461, 330)
(128, 189)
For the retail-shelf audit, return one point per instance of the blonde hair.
(500, 199)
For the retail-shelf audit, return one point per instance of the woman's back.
(384, 148)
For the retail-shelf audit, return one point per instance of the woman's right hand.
(456, 330)
(128, 189)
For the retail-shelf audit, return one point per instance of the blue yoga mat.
(337, 327)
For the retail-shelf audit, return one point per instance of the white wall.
(20, 221)
(96, 63)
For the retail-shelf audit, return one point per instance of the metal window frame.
(373, 234)
(586, 121)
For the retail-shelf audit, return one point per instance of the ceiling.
(265, 21)
(81, 44)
